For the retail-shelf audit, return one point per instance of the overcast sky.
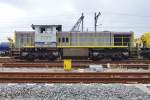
(117, 15)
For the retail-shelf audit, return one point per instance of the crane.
(77, 25)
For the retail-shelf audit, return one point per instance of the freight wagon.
(144, 45)
(4, 48)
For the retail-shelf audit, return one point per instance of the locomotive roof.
(33, 26)
(100, 32)
(24, 32)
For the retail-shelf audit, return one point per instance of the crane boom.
(77, 25)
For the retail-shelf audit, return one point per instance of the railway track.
(67, 77)
(76, 65)
(132, 60)
(131, 63)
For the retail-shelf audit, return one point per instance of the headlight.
(55, 53)
(24, 53)
(126, 53)
(95, 53)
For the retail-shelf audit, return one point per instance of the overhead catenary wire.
(22, 24)
(72, 15)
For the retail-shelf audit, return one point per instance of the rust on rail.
(131, 80)
(74, 74)
(75, 64)
(75, 77)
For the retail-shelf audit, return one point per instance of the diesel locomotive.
(50, 42)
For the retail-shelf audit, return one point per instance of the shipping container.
(24, 38)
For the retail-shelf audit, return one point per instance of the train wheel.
(115, 58)
(125, 57)
(100, 57)
(30, 58)
(51, 57)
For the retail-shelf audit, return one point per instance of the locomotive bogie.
(111, 53)
(39, 53)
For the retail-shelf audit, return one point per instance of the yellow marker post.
(67, 64)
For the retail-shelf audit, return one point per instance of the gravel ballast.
(57, 69)
(71, 92)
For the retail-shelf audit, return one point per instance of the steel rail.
(75, 64)
(75, 74)
(11, 59)
(132, 80)
(68, 77)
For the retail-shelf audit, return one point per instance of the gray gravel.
(71, 92)
(57, 69)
